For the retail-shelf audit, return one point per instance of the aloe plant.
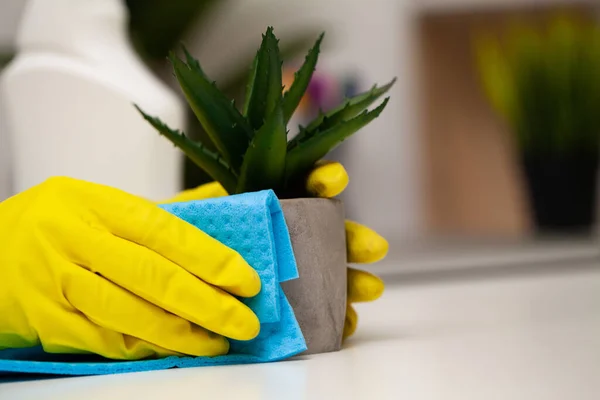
(253, 150)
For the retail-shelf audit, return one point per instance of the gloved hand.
(329, 179)
(90, 269)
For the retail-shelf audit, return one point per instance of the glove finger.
(164, 284)
(84, 337)
(143, 222)
(350, 322)
(363, 286)
(328, 179)
(65, 330)
(364, 244)
(118, 310)
(207, 191)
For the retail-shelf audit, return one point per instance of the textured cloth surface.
(250, 223)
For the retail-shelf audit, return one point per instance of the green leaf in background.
(5, 58)
(590, 79)
(561, 66)
(266, 87)
(308, 152)
(575, 72)
(350, 108)
(535, 100)
(224, 124)
(302, 78)
(157, 26)
(496, 78)
(264, 163)
(209, 161)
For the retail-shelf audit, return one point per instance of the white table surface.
(527, 337)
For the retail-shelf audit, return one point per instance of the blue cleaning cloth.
(250, 223)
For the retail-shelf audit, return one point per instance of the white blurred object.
(5, 160)
(10, 15)
(68, 102)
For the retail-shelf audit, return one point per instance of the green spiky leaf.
(289, 49)
(250, 85)
(264, 163)
(209, 161)
(312, 149)
(302, 79)
(193, 63)
(349, 109)
(224, 124)
(266, 87)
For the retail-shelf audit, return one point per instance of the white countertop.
(531, 336)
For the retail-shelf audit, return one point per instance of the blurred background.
(488, 152)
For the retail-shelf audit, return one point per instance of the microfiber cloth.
(252, 224)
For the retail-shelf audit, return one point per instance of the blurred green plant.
(545, 83)
(156, 26)
(5, 58)
(253, 152)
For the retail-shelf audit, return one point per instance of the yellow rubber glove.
(329, 179)
(90, 269)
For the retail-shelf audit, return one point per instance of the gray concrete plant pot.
(318, 297)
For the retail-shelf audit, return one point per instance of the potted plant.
(254, 153)
(546, 86)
